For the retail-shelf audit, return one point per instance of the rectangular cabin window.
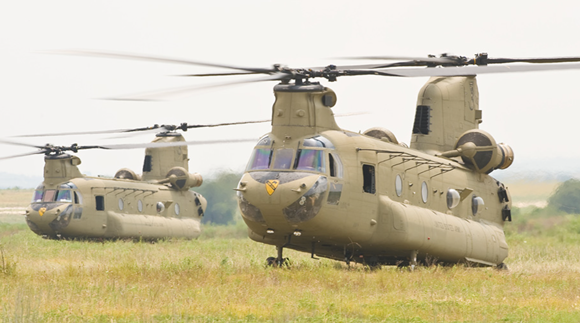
(369, 179)
(100, 202)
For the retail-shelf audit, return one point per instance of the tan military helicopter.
(314, 187)
(157, 204)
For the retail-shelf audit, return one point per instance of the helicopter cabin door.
(96, 212)
(365, 203)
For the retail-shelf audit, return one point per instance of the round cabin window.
(476, 205)
(399, 185)
(160, 207)
(452, 198)
(121, 204)
(424, 192)
(140, 206)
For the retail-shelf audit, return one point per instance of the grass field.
(222, 279)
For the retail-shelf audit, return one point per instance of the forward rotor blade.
(475, 70)
(175, 144)
(225, 124)
(159, 59)
(437, 60)
(8, 142)
(22, 155)
(174, 92)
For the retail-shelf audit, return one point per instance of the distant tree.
(567, 197)
(222, 204)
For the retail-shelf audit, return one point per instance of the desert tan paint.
(97, 207)
(392, 203)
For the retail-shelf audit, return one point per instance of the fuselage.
(313, 187)
(88, 207)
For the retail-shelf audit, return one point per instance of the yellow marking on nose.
(271, 186)
(41, 211)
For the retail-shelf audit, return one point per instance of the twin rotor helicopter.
(153, 205)
(364, 197)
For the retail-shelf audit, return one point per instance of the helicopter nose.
(287, 198)
(48, 219)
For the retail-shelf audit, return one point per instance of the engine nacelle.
(479, 151)
(182, 180)
(125, 173)
(382, 134)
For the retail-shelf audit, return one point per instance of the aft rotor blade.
(533, 60)
(174, 92)
(225, 124)
(475, 70)
(160, 59)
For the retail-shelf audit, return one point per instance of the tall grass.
(225, 280)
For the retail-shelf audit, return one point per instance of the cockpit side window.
(335, 165)
(309, 159)
(261, 159)
(49, 196)
(78, 198)
(283, 158)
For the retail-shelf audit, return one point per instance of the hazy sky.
(535, 113)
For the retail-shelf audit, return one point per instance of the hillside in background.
(16, 180)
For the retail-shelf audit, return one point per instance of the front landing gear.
(279, 261)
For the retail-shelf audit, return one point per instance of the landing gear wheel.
(502, 267)
(275, 262)
(279, 261)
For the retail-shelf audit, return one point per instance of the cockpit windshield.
(307, 159)
(261, 159)
(313, 160)
(37, 196)
(64, 196)
(49, 196)
(283, 158)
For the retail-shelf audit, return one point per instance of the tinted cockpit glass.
(260, 159)
(312, 160)
(317, 141)
(264, 141)
(37, 196)
(283, 158)
(64, 196)
(49, 196)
